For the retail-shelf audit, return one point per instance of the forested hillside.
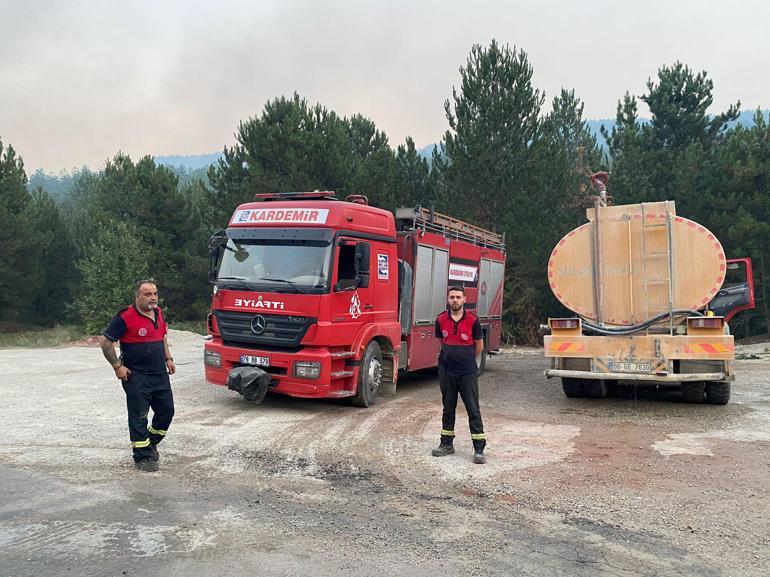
(511, 160)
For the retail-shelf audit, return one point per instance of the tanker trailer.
(640, 280)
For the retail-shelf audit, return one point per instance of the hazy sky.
(81, 80)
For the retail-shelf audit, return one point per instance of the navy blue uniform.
(458, 374)
(143, 351)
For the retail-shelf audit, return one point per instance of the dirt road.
(639, 485)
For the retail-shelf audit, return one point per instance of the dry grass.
(13, 337)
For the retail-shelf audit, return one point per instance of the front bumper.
(335, 379)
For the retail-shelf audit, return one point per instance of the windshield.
(281, 265)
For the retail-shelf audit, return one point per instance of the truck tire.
(717, 393)
(369, 376)
(692, 392)
(573, 388)
(595, 388)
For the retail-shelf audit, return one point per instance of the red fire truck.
(319, 297)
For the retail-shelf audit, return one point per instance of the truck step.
(340, 394)
(343, 355)
(341, 374)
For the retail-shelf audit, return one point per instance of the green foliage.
(414, 185)
(493, 125)
(679, 103)
(293, 146)
(58, 186)
(716, 176)
(17, 266)
(147, 199)
(55, 277)
(505, 167)
(112, 263)
(504, 163)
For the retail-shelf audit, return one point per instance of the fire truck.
(318, 297)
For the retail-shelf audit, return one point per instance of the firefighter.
(144, 367)
(462, 344)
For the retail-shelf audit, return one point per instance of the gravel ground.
(635, 484)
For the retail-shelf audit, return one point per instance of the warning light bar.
(315, 195)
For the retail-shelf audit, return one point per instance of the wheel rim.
(374, 374)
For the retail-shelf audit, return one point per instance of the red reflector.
(706, 322)
(565, 323)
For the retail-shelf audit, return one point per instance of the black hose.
(641, 326)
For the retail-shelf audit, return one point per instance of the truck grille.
(279, 330)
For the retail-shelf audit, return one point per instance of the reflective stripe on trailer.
(709, 348)
(567, 348)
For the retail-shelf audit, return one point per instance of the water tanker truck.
(651, 293)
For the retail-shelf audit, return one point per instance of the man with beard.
(144, 367)
(462, 344)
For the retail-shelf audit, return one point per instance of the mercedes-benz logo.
(258, 324)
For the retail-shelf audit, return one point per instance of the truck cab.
(305, 289)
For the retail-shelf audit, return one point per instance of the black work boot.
(445, 448)
(148, 465)
(155, 455)
(478, 454)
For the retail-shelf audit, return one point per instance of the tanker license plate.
(630, 366)
(256, 361)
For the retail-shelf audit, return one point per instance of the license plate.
(256, 361)
(630, 366)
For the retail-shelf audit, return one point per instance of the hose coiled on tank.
(640, 327)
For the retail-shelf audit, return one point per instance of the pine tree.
(17, 269)
(485, 161)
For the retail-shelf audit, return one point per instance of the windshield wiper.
(292, 284)
(243, 282)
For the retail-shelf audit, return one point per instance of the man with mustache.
(144, 367)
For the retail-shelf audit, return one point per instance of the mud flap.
(251, 382)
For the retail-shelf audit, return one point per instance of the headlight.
(212, 359)
(307, 369)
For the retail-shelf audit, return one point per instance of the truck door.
(737, 292)
(352, 287)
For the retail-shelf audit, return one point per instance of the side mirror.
(216, 246)
(217, 240)
(214, 257)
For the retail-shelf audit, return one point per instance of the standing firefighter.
(144, 368)
(462, 344)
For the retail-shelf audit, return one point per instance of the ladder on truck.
(420, 218)
(657, 263)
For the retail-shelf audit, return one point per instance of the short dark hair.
(142, 281)
(455, 288)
